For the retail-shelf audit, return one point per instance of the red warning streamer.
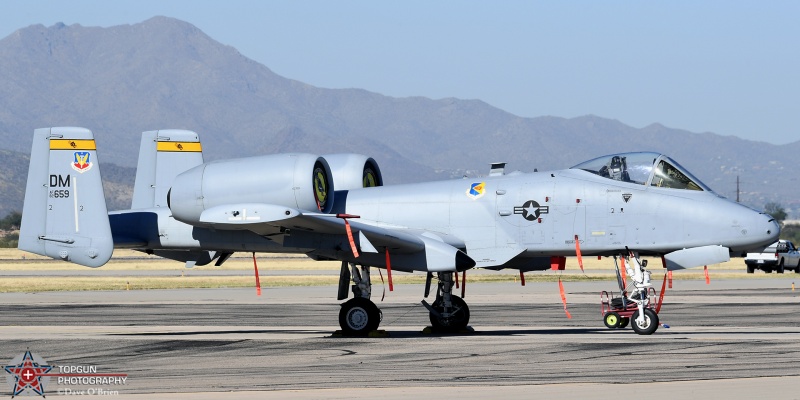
(669, 277)
(350, 237)
(563, 297)
(663, 291)
(705, 271)
(457, 280)
(389, 270)
(258, 281)
(623, 273)
(669, 273)
(522, 277)
(578, 252)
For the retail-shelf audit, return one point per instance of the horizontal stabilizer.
(697, 257)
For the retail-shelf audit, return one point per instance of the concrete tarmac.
(732, 339)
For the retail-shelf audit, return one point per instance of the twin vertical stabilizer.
(163, 155)
(65, 215)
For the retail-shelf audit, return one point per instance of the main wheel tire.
(456, 322)
(623, 322)
(751, 269)
(780, 267)
(359, 316)
(649, 325)
(612, 320)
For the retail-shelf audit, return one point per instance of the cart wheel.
(649, 325)
(623, 322)
(611, 319)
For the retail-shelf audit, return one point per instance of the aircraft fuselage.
(498, 219)
(542, 213)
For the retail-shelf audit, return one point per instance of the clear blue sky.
(728, 67)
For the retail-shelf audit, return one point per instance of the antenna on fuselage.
(737, 188)
(497, 169)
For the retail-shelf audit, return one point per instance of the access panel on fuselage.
(610, 214)
(567, 214)
(522, 212)
(612, 211)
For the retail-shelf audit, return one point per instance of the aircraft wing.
(439, 252)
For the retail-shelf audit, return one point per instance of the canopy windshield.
(644, 169)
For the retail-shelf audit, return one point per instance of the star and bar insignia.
(531, 210)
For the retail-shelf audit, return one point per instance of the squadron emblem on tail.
(82, 162)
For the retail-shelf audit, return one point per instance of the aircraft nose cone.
(766, 231)
(758, 230)
(773, 230)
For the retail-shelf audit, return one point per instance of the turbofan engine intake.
(354, 171)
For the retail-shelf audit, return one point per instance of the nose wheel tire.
(648, 325)
(359, 316)
(456, 321)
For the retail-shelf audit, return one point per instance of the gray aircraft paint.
(622, 204)
(430, 226)
(163, 155)
(64, 215)
(571, 202)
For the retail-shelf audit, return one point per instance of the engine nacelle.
(298, 181)
(354, 171)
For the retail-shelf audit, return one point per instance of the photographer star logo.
(26, 374)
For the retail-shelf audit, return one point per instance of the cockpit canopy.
(643, 168)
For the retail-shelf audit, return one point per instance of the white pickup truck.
(777, 257)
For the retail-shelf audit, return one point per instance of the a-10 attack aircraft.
(335, 208)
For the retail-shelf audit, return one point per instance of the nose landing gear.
(645, 324)
(448, 313)
(634, 309)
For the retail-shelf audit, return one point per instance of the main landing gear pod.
(635, 309)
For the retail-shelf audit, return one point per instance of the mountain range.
(166, 73)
